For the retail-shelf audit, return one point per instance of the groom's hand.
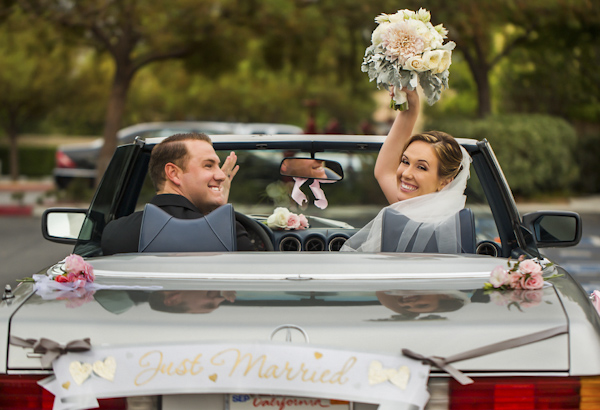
(230, 169)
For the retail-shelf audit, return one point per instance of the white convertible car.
(302, 325)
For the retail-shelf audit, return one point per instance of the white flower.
(437, 60)
(416, 63)
(423, 15)
(441, 30)
(376, 36)
(499, 277)
(406, 14)
(279, 218)
(382, 18)
(401, 41)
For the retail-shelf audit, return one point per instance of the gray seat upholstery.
(394, 223)
(161, 232)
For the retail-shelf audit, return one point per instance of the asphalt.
(26, 197)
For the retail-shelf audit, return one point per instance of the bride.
(423, 177)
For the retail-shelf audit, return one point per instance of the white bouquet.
(407, 50)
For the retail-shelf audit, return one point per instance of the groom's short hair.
(171, 149)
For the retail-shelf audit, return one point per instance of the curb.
(16, 210)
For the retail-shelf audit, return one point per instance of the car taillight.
(63, 161)
(23, 393)
(526, 393)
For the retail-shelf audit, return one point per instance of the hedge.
(536, 152)
(33, 161)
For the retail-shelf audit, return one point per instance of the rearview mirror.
(554, 228)
(62, 225)
(311, 168)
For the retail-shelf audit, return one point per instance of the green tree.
(34, 77)
(489, 32)
(136, 33)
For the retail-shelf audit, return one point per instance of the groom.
(184, 169)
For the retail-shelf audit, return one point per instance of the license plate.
(248, 401)
(265, 402)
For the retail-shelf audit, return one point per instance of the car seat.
(161, 232)
(394, 223)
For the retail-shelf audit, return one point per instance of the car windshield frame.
(120, 187)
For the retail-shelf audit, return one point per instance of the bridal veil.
(433, 215)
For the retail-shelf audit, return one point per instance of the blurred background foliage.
(524, 74)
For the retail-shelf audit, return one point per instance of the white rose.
(279, 218)
(416, 63)
(445, 61)
(376, 36)
(437, 60)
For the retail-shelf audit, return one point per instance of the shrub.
(536, 152)
(33, 161)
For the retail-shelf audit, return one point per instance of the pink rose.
(531, 298)
(533, 281)
(88, 273)
(499, 277)
(77, 279)
(303, 221)
(515, 280)
(595, 296)
(74, 263)
(293, 221)
(529, 266)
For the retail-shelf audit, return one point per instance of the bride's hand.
(412, 97)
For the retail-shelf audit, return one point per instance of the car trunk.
(348, 315)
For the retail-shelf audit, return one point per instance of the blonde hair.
(446, 149)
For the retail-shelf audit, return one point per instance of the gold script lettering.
(153, 361)
(239, 359)
(338, 377)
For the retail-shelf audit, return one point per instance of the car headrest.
(428, 237)
(161, 232)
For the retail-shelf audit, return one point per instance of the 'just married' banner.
(268, 368)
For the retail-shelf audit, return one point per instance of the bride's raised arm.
(390, 153)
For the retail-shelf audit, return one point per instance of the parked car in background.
(79, 160)
(303, 325)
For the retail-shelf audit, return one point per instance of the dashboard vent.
(290, 244)
(314, 244)
(336, 243)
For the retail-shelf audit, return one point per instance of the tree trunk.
(114, 118)
(484, 97)
(14, 157)
(13, 134)
(481, 71)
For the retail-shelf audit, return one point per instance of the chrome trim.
(288, 335)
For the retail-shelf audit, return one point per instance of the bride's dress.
(431, 217)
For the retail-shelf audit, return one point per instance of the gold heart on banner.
(80, 371)
(398, 377)
(106, 369)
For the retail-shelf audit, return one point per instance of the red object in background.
(63, 161)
